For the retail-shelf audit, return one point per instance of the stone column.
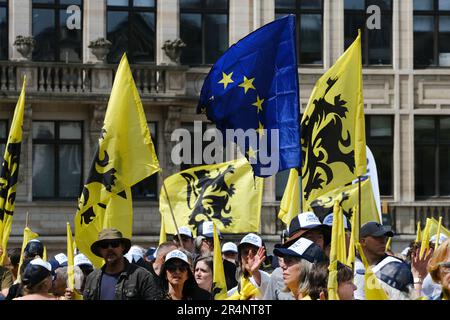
(333, 35)
(25, 178)
(241, 19)
(167, 26)
(20, 20)
(94, 26)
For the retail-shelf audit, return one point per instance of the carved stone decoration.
(172, 49)
(97, 118)
(171, 122)
(98, 115)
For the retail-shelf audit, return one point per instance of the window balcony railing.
(70, 79)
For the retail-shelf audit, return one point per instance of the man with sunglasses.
(117, 279)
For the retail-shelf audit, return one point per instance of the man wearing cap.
(392, 271)
(117, 279)
(304, 225)
(205, 231)
(186, 238)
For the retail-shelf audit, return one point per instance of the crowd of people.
(183, 268)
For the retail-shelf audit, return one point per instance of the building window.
(147, 188)
(281, 179)
(380, 139)
(376, 43)
(432, 156)
(57, 30)
(131, 26)
(57, 159)
(431, 33)
(3, 30)
(309, 16)
(204, 29)
(3, 136)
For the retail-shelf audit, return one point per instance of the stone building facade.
(59, 91)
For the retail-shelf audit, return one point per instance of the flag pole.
(27, 219)
(359, 202)
(300, 188)
(171, 210)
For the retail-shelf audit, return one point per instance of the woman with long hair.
(298, 261)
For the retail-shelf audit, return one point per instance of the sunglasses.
(175, 267)
(445, 267)
(107, 244)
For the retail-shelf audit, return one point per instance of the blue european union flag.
(254, 85)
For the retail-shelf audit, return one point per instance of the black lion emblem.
(105, 178)
(322, 148)
(208, 195)
(9, 174)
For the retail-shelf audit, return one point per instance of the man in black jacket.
(118, 279)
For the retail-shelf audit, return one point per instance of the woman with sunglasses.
(439, 269)
(178, 280)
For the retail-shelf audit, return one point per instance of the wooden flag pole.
(27, 220)
(171, 210)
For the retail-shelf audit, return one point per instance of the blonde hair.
(303, 278)
(438, 256)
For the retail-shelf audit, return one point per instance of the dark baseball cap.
(304, 221)
(302, 248)
(374, 229)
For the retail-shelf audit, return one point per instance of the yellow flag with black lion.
(333, 133)
(125, 155)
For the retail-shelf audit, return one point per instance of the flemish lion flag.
(226, 193)
(348, 198)
(333, 134)
(9, 173)
(125, 155)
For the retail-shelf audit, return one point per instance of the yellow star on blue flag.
(255, 86)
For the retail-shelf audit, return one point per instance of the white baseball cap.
(134, 254)
(177, 254)
(328, 220)
(253, 239)
(186, 231)
(81, 259)
(206, 229)
(229, 247)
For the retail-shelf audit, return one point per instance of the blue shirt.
(108, 286)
